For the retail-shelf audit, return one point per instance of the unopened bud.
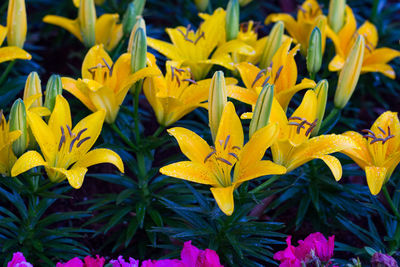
(18, 122)
(262, 109)
(33, 87)
(321, 91)
(87, 21)
(232, 20)
(201, 4)
(216, 101)
(274, 41)
(16, 23)
(129, 19)
(336, 16)
(139, 51)
(140, 24)
(314, 53)
(139, 6)
(53, 89)
(350, 73)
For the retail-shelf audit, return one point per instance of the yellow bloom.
(295, 147)
(203, 48)
(65, 149)
(375, 59)
(176, 94)
(378, 151)
(107, 30)
(7, 157)
(309, 16)
(283, 75)
(213, 165)
(104, 84)
(10, 52)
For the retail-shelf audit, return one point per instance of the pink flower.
(18, 260)
(122, 263)
(192, 256)
(287, 256)
(94, 262)
(163, 263)
(75, 262)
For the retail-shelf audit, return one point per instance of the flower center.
(264, 72)
(186, 35)
(175, 73)
(72, 138)
(374, 138)
(302, 124)
(98, 72)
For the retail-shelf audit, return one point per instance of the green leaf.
(140, 213)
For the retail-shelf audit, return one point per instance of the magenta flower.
(192, 256)
(74, 262)
(287, 256)
(18, 260)
(87, 262)
(163, 263)
(120, 262)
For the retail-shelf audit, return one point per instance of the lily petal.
(70, 25)
(12, 52)
(230, 125)
(69, 84)
(375, 178)
(100, 155)
(167, 49)
(95, 56)
(333, 164)
(359, 154)
(60, 117)
(108, 32)
(258, 169)
(190, 171)
(244, 95)
(75, 175)
(224, 198)
(336, 63)
(27, 161)
(380, 55)
(385, 69)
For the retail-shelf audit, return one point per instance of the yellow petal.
(27, 161)
(333, 164)
(278, 115)
(41, 111)
(368, 30)
(69, 84)
(211, 26)
(104, 98)
(98, 156)
(95, 56)
(224, 198)
(375, 178)
(247, 116)
(290, 23)
(229, 125)
(385, 69)
(190, 171)
(234, 46)
(385, 121)
(12, 52)
(248, 73)
(60, 117)
(3, 33)
(359, 154)
(285, 96)
(75, 175)
(107, 30)
(346, 34)
(380, 55)
(336, 63)
(70, 25)
(247, 96)
(164, 48)
(192, 145)
(258, 169)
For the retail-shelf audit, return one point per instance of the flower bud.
(33, 87)
(232, 20)
(314, 53)
(383, 260)
(321, 90)
(18, 122)
(244, 2)
(16, 23)
(336, 16)
(217, 100)
(87, 21)
(139, 6)
(140, 24)
(129, 19)
(201, 4)
(350, 73)
(274, 41)
(262, 109)
(53, 89)
(139, 51)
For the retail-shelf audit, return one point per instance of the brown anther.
(190, 80)
(258, 76)
(202, 35)
(244, 26)
(368, 131)
(236, 147)
(80, 133)
(71, 145)
(226, 141)
(278, 73)
(69, 130)
(376, 140)
(380, 129)
(224, 161)
(387, 138)
(312, 126)
(301, 125)
(266, 81)
(368, 47)
(257, 26)
(389, 131)
(369, 136)
(209, 155)
(81, 142)
(110, 69)
(62, 139)
(295, 118)
(233, 155)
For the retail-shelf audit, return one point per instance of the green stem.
(391, 204)
(312, 76)
(7, 71)
(158, 131)
(123, 137)
(265, 184)
(136, 111)
(331, 119)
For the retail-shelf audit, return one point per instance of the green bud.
(321, 90)
(18, 122)
(314, 53)
(139, 51)
(217, 100)
(350, 73)
(140, 24)
(87, 21)
(53, 88)
(336, 16)
(16, 23)
(33, 87)
(262, 109)
(139, 6)
(129, 19)
(274, 41)
(232, 20)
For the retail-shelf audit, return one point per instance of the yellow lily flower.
(248, 35)
(176, 94)
(63, 146)
(107, 29)
(7, 157)
(104, 84)
(309, 16)
(294, 146)
(10, 52)
(378, 151)
(375, 59)
(282, 74)
(213, 165)
(203, 48)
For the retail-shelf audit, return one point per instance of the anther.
(110, 69)
(82, 141)
(190, 80)
(202, 35)
(380, 129)
(209, 155)
(266, 81)
(233, 155)
(62, 139)
(236, 147)
(258, 76)
(71, 145)
(278, 73)
(1, 118)
(376, 140)
(224, 161)
(368, 131)
(69, 130)
(295, 118)
(80, 133)
(301, 8)
(387, 138)
(226, 141)
(312, 126)
(301, 125)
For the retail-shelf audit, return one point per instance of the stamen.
(202, 35)
(226, 141)
(236, 147)
(368, 131)
(69, 130)
(110, 69)
(389, 131)
(266, 81)
(301, 125)
(296, 118)
(387, 138)
(301, 8)
(258, 76)
(62, 139)
(312, 126)
(1, 118)
(376, 140)
(380, 129)
(221, 142)
(234, 155)
(224, 161)
(190, 80)
(369, 136)
(257, 26)
(82, 141)
(80, 133)
(209, 155)
(278, 73)
(71, 145)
